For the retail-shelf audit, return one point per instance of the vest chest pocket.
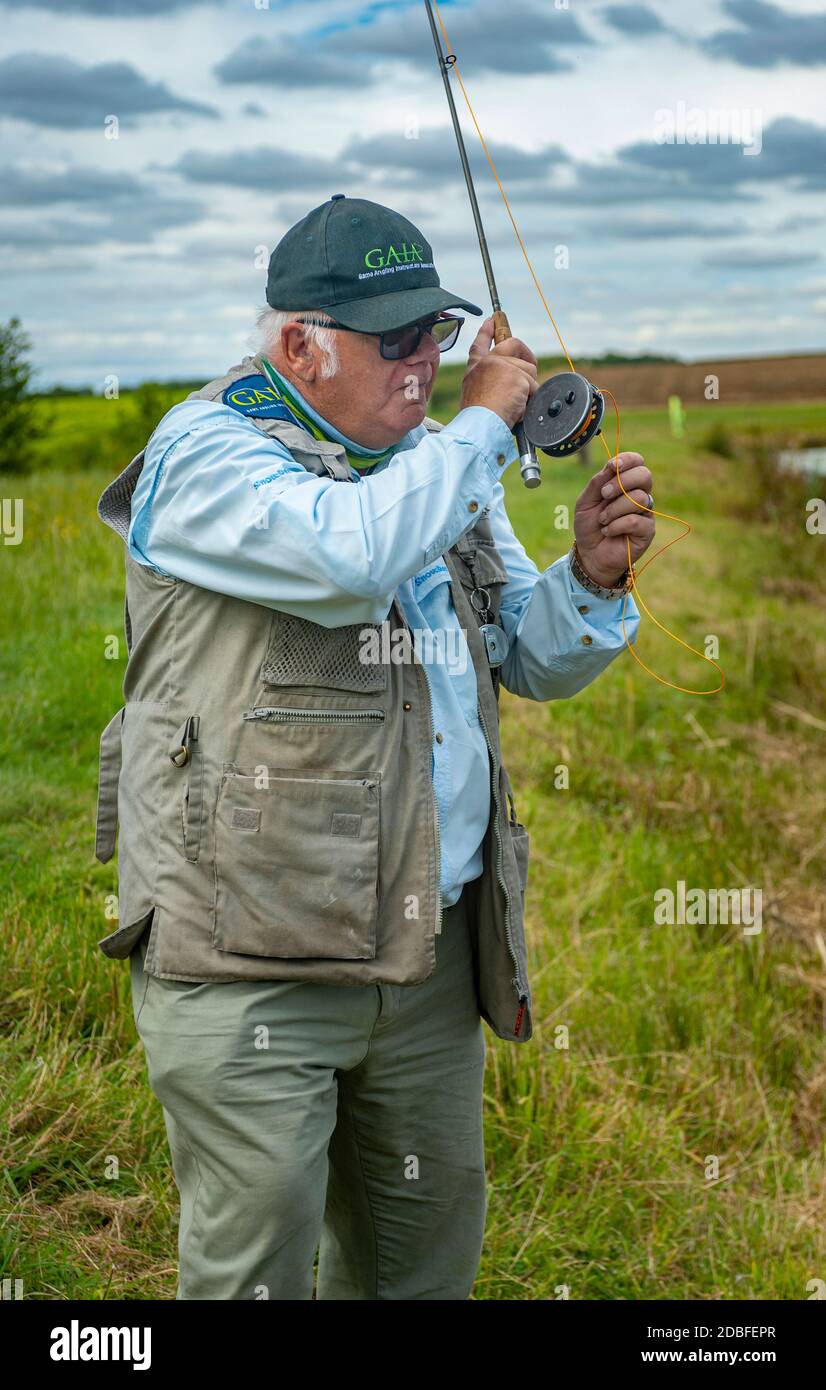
(480, 565)
(302, 653)
(296, 866)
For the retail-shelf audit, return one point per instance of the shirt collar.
(364, 460)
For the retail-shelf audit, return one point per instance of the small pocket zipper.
(313, 716)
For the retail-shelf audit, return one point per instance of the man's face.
(371, 400)
(389, 398)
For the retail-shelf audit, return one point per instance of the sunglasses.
(397, 343)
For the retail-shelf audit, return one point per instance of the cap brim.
(379, 313)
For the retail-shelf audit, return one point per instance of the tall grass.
(656, 1049)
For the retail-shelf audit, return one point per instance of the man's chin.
(407, 418)
(413, 414)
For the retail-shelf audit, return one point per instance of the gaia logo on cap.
(377, 258)
(386, 262)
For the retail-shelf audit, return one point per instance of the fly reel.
(564, 414)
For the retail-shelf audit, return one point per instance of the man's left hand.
(604, 518)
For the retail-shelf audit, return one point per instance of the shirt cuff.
(488, 432)
(597, 612)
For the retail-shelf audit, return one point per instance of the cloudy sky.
(145, 255)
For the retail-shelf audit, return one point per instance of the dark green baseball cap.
(363, 264)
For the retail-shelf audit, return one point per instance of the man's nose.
(427, 351)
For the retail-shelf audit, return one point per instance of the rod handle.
(528, 463)
(501, 327)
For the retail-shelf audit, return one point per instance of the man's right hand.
(503, 377)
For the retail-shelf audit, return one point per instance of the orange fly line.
(686, 690)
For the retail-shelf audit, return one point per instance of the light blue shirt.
(221, 505)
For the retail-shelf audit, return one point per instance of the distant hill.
(640, 379)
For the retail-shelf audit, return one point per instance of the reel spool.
(564, 414)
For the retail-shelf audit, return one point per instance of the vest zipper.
(521, 992)
(422, 680)
(312, 716)
(421, 675)
(232, 768)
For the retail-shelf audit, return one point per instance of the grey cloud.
(108, 9)
(791, 149)
(24, 236)
(520, 36)
(637, 229)
(26, 188)
(490, 36)
(267, 169)
(434, 155)
(769, 36)
(50, 90)
(633, 19)
(241, 248)
(289, 210)
(604, 185)
(760, 260)
(798, 223)
(277, 63)
(109, 207)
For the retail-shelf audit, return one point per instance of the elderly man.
(321, 870)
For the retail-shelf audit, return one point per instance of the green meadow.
(662, 1134)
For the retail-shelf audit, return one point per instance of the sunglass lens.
(446, 331)
(400, 342)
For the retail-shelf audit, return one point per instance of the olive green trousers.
(339, 1119)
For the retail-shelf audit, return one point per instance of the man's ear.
(296, 353)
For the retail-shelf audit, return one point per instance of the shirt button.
(583, 608)
(473, 506)
(440, 738)
(500, 459)
(407, 705)
(586, 640)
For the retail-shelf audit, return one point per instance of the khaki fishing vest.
(273, 792)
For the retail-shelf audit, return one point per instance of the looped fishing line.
(686, 690)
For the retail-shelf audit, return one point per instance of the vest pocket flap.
(108, 778)
(122, 942)
(479, 549)
(296, 866)
(487, 566)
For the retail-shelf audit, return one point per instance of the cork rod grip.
(501, 327)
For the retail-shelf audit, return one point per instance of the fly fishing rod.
(566, 411)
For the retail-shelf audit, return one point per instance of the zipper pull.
(517, 1027)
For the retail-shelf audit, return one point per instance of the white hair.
(271, 321)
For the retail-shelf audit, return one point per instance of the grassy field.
(684, 1042)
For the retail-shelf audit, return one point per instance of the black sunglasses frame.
(420, 328)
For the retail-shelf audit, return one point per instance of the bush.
(717, 440)
(773, 493)
(21, 422)
(142, 411)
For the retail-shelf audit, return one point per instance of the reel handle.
(528, 462)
